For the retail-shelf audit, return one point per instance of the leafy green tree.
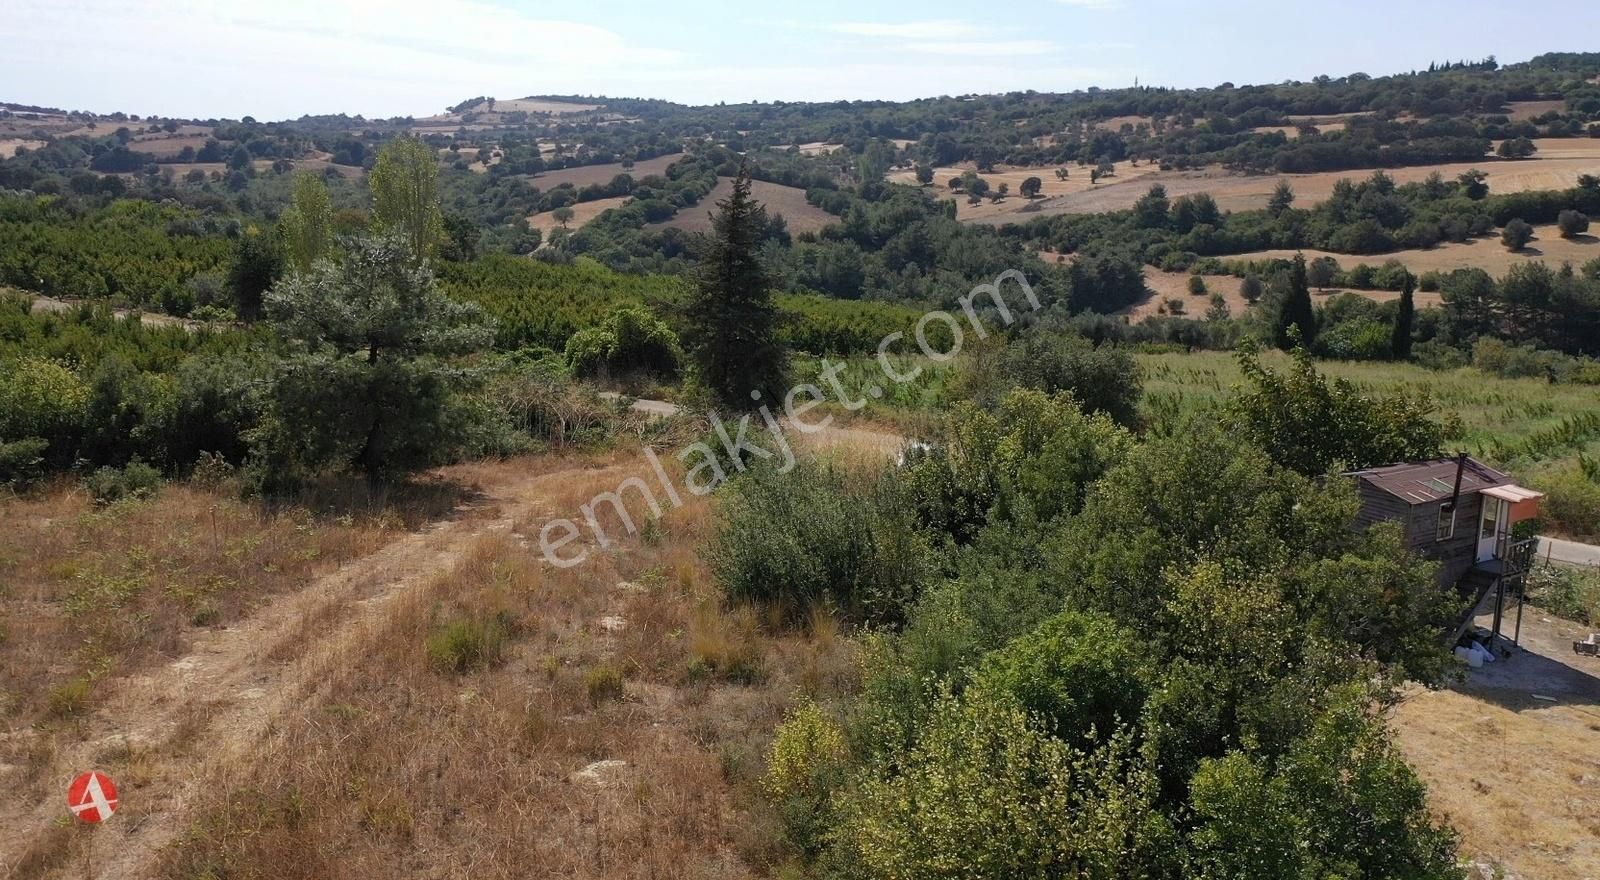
(1296, 313)
(1474, 184)
(732, 324)
(307, 225)
(924, 174)
(1281, 200)
(1251, 289)
(1197, 285)
(367, 385)
(563, 215)
(986, 794)
(257, 265)
(1516, 234)
(1082, 674)
(1309, 423)
(1516, 148)
(1030, 187)
(239, 159)
(1101, 379)
(1150, 211)
(1405, 316)
(405, 196)
(630, 340)
(1322, 272)
(1572, 223)
(1341, 802)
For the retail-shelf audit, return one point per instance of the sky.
(279, 59)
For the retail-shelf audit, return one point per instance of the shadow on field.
(413, 502)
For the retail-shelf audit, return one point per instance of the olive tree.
(368, 382)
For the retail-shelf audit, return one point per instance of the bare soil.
(1517, 775)
(789, 201)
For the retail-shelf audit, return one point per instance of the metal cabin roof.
(1423, 482)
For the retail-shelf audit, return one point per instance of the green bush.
(1571, 505)
(1102, 379)
(604, 682)
(1081, 674)
(819, 535)
(22, 461)
(804, 765)
(469, 643)
(987, 794)
(135, 480)
(631, 340)
(1566, 592)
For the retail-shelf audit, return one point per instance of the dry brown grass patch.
(89, 592)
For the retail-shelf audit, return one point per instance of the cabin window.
(1447, 522)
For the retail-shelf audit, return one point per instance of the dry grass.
(9, 146)
(1519, 111)
(89, 593)
(1519, 778)
(585, 175)
(1012, 207)
(1484, 253)
(788, 201)
(1557, 165)
(394, 767)
(582, 213)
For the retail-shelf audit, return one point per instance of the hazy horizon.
(193, 59)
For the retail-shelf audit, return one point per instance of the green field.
(1537, 431)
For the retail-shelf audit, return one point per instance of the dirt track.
(209, 709)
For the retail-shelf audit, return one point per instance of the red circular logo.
(92, 797)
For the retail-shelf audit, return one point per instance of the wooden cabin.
(1458, 511)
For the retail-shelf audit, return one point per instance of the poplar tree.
(405, 196)
(307, 225)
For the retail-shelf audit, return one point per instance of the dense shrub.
(819, 535)
(630, 340)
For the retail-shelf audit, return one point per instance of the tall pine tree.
(1296, 310)
(1400, 343)
(731, 321)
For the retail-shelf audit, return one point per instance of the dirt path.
(210, 708)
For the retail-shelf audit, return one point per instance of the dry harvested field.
(1012, 207)
(537, 105)
(1115, 123)
(1557, 165)
(292, 696)
(1522, 110)
(790, 201)
(1517, 776)
(584, 175)
(1293, 131)
(582, 213)
(817, 148)
(1175, 285)
(165, 145)
(1486, 253)
(9, 146)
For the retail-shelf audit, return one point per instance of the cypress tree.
(731, 320)
(1296, 310)
(1400, 344)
